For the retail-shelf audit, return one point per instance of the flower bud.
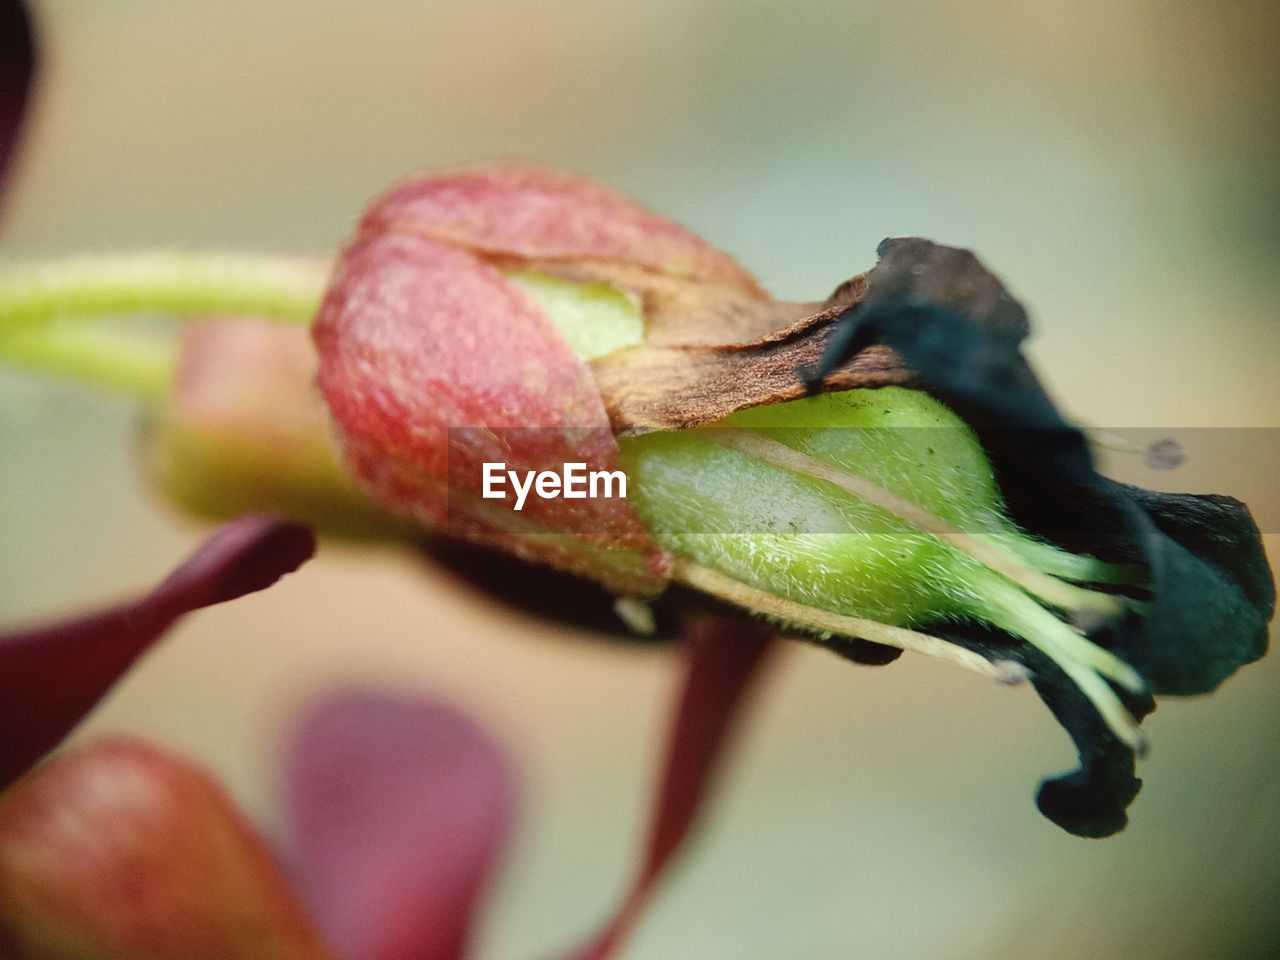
(119, 852)
(435, 360)
(244, 431)
(519, 316)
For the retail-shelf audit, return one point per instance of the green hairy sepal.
(808, 541)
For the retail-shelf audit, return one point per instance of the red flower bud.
(119, 852)
(421, 333)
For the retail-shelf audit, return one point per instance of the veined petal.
(400, 809)
(51, 676)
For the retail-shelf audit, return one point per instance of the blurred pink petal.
(118, 852)
(17, 65)
(520, 210)
(400, 810)
(722, 657)
(51, 676)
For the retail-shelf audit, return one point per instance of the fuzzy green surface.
(809, 541)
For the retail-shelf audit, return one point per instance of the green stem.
(44, 307)
(181, 284)
(125, 362)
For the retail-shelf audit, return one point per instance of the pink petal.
(50, 677)
(17, 65)
(433, 364)
(400, 809)
(117, 851)
(722, 657)
(520, 210)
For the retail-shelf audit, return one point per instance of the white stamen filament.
(740, 594)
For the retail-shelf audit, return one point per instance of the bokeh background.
(1116, 162)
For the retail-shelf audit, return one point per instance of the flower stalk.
(56, 316)
(166, 282)
(129, 362)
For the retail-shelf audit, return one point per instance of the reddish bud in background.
(119, 852)
(245, 431)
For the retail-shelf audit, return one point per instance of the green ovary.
(808, 541)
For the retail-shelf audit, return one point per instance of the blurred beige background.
(1116, 162)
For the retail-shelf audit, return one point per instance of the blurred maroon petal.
(400, 809)
(50, 677)
(17, 64)
(722, 657)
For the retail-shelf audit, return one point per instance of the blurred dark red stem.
(51, 676)
(17, 66)
(722, 658)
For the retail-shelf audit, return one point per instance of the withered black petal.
(865, 653)
(1191, 541)
(1211, 590)
(1090, 801)
(17, 64)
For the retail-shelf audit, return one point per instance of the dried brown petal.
(675, 386)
